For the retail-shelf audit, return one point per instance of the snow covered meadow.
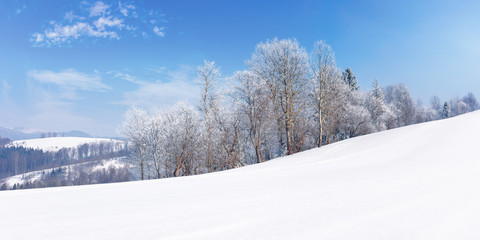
(416, 182)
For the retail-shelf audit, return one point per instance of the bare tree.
(326, 86)
(207, 75)
(182, 126)
(283, 64)
(251, 95)
(134, 127)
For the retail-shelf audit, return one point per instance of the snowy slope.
(417, 182)
(57, 143)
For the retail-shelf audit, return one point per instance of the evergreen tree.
(349, 78)
(446, 110)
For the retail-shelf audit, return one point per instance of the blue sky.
(80, 64)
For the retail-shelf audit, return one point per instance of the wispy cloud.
(100, 20)
(127, 77)
(8, 105)
(160, 94)
(51, 112)
(124, 9)
(173, 86)
(56, 97)
(5, 89)
(70, 79)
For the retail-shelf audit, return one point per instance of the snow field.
(416, 182)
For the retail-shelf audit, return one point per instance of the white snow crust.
(416, 182)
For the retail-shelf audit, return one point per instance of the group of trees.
(288, 100)
(51, 134)
(456, 106)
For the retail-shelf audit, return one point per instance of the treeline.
(51, 134)
(288, 100)
(19, 160)
(4, 141)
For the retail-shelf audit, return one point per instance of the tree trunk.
(178, 169)
(288, 131)
(257, 151)
(320, 137)
(141, 170)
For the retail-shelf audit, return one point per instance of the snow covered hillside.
(416, 182)
(53, 144)
(71, 171)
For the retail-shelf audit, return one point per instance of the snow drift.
(416, 182)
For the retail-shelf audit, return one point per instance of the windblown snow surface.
(416, 182)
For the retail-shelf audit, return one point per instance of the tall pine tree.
(349, 78)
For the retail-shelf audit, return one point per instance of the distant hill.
(53, 144)
(21, 134)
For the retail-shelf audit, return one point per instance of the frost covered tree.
(356, 119)
(283, 64)
(166, 142)
(401, 103)
(207, 76)
(254, 105)
(437, 106)
(182, 131)
(424, 113)
(326, 87)
(135, 129)
(229, 135)
(156, 137)
(471, 101)
(146, 132)
(377, 107)
(458, 107)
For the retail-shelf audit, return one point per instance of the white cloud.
(69, 79)
(71, 17)
(64, 33)
(108, 21)
(159, 31)
(98, 20)
(99, 8)
(124, 8)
